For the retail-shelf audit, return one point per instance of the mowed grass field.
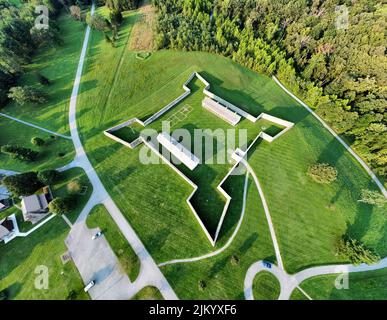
(361, 286)
(266, 286)
(55, 153)
(21, 256)
(308, 217)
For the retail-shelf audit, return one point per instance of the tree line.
(339, 71)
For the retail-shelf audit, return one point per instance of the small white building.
(221, 111)
(178, 150)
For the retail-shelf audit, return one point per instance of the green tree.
(37, 141)
(48, 177)
(322, 173)
(22, 184)
(60, 205)
(355, 251)
(373, 198)
(25, 94)
(20, 153)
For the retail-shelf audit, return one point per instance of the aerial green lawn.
(99, 217)
(308, 217)
(21, 256)
(58, 64)
(370, 285)
(266, 286)
(56, 151)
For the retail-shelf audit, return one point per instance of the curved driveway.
(290, 282)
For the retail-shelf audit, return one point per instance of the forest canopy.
(340, 70)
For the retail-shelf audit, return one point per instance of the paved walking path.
(290, 282)
(150, 274)
(35, 126)
(228, 243)
(67, 220)
(349, 149)
(17, 232)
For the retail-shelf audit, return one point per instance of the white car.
(89, 285)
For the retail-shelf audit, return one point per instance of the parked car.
(89, 285)
(97, 235)
(266, 264)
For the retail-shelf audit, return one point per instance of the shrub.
(74, 187)
(48, 176)
(116, 17)
(355, 251)
(3, 295)
(76, 12)
(98, 22)
(60, 205)
(43, 80)
(322, 173)
(373, 198)
(72, 295)
(25, 94)
(22, 184)
(202, 285)
(37, 141)
(18, 152)
(234, 260)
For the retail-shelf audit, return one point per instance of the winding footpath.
(150, 274)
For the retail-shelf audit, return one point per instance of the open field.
(99, 217)
(21, 256)
(266, 286)
(55, 153)
(369, 285)
(58, 64)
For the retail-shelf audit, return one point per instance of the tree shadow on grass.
(12, 290)
(236, 97)
(217, 267)
(248, 243)
(234, 186)
(158, 238)
(102, 153)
